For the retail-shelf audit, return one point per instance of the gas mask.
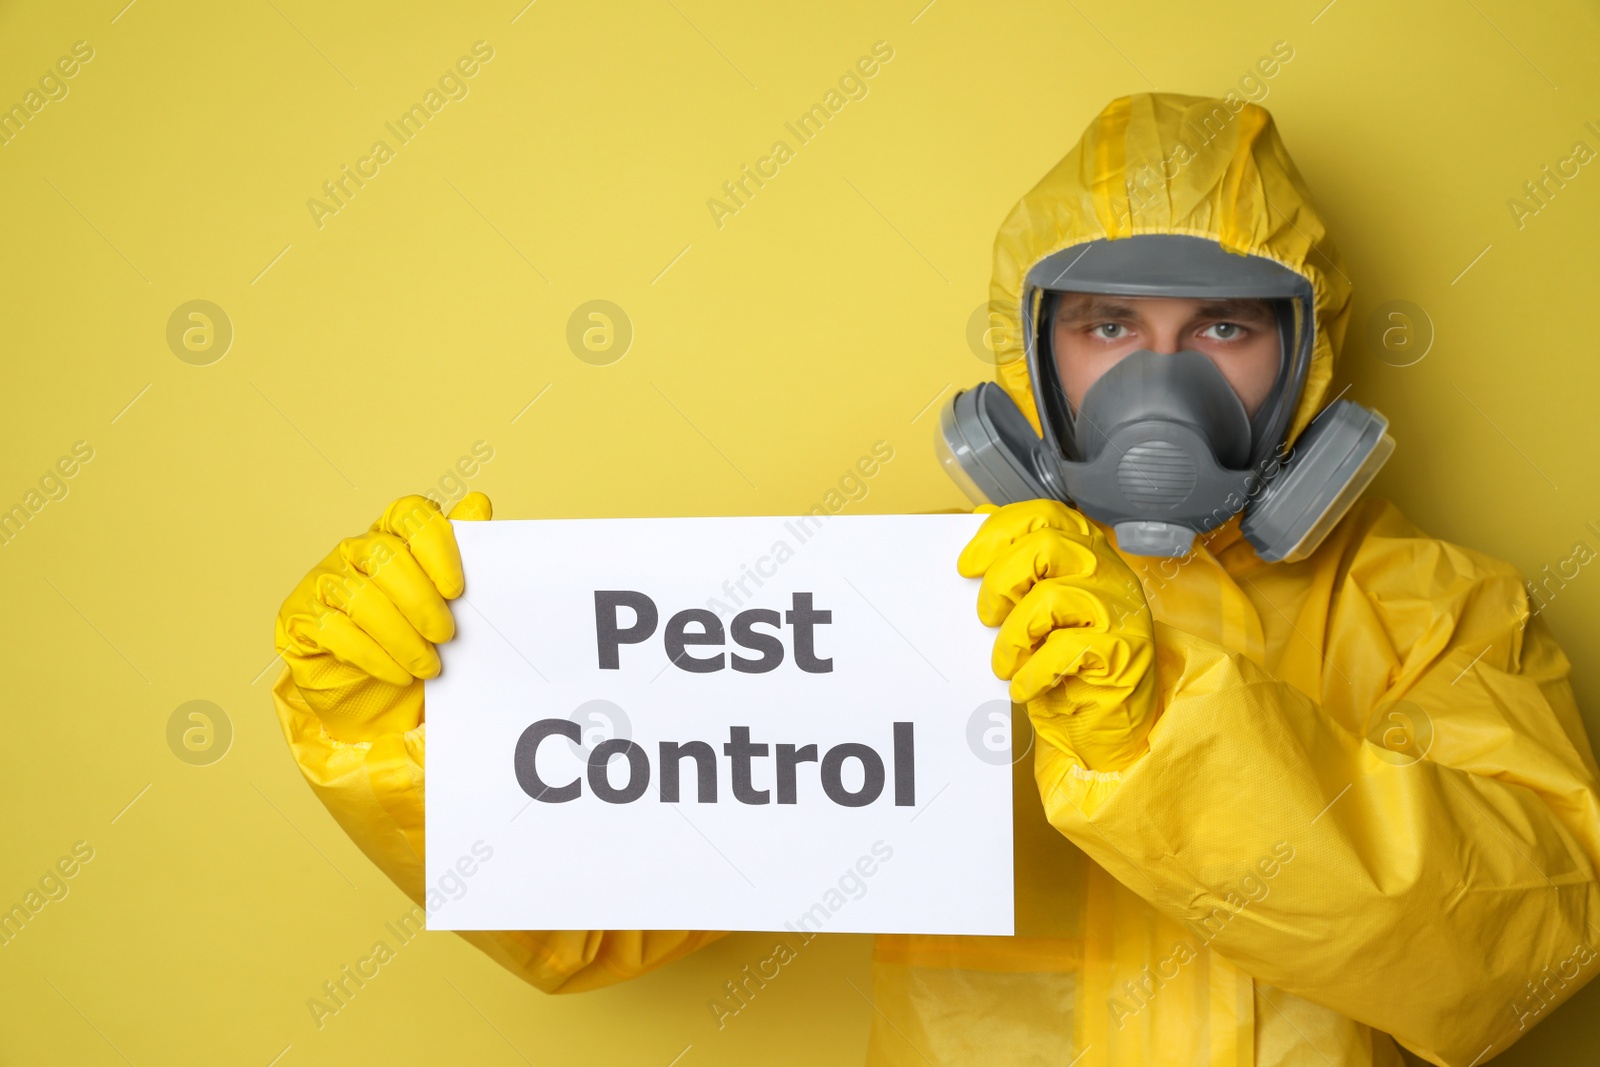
(1161, 447)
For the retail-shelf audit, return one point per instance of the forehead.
(1077, 307)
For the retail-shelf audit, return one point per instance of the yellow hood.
(1166, 163)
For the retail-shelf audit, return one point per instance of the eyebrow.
(1244, 308)
(1093, 309)
(1086, 308)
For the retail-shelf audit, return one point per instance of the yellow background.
(828, 314)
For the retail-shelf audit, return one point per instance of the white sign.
(720, 724)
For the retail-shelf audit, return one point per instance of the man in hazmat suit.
(1306, 787)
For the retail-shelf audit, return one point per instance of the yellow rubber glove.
(358, 631)
(1076, 638)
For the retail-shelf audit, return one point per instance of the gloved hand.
(358, 631)
(1076, 637)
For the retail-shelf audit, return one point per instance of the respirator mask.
(1161, 447)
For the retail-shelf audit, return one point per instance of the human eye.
(1109, 331)
(1224, 331)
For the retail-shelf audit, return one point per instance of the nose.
(1164, 340)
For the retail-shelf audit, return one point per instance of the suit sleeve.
(375, 789)
(1415, 849)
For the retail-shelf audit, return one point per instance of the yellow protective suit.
(1368, 806)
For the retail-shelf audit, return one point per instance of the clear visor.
(1094, 304)
(1248, 340)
